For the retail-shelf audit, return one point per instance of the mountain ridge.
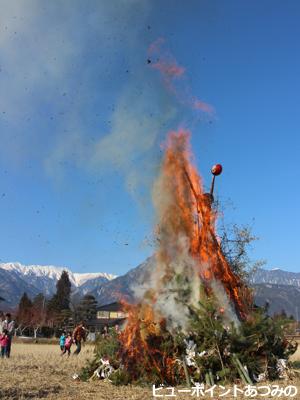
(76, 278)
(276, 276)
(274, 286)
(16, 278)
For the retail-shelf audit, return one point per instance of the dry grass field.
(37, 371)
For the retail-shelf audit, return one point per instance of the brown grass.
(37, 371)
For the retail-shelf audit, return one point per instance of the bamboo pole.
(186, 373)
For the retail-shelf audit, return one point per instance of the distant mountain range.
(281, 289)
(15, 279)
(279, 297)
(276, 276)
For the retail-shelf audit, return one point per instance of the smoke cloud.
(77, 91)
(59, 69)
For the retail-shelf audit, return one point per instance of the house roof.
(111, 307)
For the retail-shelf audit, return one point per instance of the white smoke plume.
(229, 315)
(53, 100)
(175, 284)
(182, 287)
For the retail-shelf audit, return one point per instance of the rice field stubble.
(37, 371)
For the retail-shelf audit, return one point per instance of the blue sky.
(82, 117)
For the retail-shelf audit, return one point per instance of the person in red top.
(4, 342)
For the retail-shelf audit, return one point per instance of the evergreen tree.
(60, 303)
(52, 307)
(87, 308)
(61, 300)
(63, 291)
(64, 318)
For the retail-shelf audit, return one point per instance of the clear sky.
(82, 116)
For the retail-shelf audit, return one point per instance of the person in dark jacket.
(79, 335)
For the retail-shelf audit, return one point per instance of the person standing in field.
(62, 341)
(79, 334)
(1, 321)
(68, 344)
(4, 340)
(9, 325)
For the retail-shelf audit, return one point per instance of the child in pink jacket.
(68, 344)
(4, 342)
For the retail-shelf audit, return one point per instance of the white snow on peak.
(53, 272)
(80, 279)
(38, 270)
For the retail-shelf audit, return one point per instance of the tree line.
(49, 315)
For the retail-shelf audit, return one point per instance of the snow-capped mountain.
(276, 276)
(281, 289)
(15, 279)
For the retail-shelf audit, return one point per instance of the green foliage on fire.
(250, 349)
(212, 351)
(213, 348)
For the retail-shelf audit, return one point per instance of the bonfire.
(194, 320)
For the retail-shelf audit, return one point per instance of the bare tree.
(236, 243)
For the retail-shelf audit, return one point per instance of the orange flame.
(184, 211)
(192, 214)
(140, 344)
